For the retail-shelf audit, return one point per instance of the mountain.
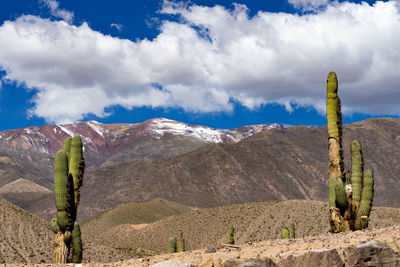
(29, 153)
(270, 165)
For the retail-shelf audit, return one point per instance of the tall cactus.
(69, 167)
(350, 197)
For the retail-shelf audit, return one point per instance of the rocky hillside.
(25, 238)
(206, 228)
(271, 165)
(29, 153)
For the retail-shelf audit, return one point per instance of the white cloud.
(53, 5)
(212, 55)
(308, 5)
(118, 27)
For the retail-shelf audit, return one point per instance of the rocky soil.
(376, 247)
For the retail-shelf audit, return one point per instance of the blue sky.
(224, 66)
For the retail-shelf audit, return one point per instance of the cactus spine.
(69, 167)
(350, 197)
(172, 245)
(231, 236)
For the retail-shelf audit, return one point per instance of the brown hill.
(25, 238)
(253, 222)
(132, 213)
(23, 192)
(271, 165)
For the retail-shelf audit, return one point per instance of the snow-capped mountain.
(32, 149)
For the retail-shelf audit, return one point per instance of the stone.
(320, 257)
(372, 253)
(211, 250)
(249, 263)
(170, 264)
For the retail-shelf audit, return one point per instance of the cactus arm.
(366, 201)
(67, 146)
(77, 251)
(62, 189)
(357, 166)
(76, 166)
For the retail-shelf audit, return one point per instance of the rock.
(320, 257)
(372, 253)
(249, 263)
(170, 264)
(211, 250)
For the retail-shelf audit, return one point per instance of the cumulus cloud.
(53, 5)
(209, 57)
(308, 5)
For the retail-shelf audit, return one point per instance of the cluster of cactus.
(288, 233)
(176, 244)
(231, 236)
(350, 195)
(69, 166)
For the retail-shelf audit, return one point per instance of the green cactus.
(285, 233)
(68, 175)
(231, 236)
(54, 225)
(172, 245)
(350, 197)
(292, 233)
(77, 250)
(180, 244)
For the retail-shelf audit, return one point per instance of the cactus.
(172, 245)
(54, 225)
(231, 239)
(180, 244)
(285, 233)
(350, 197)
(68, 175)
(77, 251)
(292, 233)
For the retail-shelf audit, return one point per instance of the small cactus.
(180, 244)
(285, 233)
(172, 245)
(231, 235)
(292, 233)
